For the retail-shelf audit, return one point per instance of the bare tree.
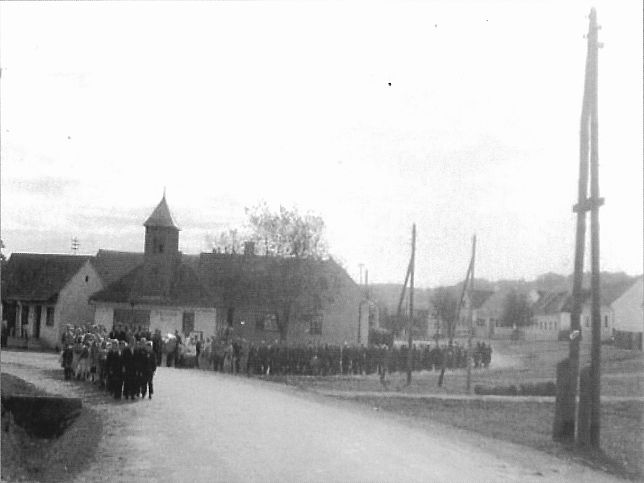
(229, 241)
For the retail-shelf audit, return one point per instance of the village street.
(204, 426)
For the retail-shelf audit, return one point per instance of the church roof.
(185, 289)
(161, 216)
(111, 265)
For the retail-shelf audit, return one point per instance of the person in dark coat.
(198, 349)
(115, 369)
(149, 368)
(157, 346)
(129, 371)
(177, 353)
(68, 356)
(139, 366)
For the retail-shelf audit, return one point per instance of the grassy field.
(530, 422)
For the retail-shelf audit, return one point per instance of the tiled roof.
(245, 280)
(39, 277)
(494, 304)
(551, 303)
(607, 293)
(161, 216)
(185, 289)
(112, 265)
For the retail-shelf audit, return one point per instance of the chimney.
(249, 248)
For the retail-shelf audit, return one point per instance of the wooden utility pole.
(595, 203)
(470, 317)
(470, 267)
(565, 417)
(411, 304)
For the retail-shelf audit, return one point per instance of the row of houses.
(621, 309)
(260, 298)
(622, 313)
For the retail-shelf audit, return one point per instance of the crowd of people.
(238, 356)
(121, 363)
(124, 360)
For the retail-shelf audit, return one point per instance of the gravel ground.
(203, 426)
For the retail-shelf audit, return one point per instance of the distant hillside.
(613, 284)
(388, 295)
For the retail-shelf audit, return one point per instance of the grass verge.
(530, 424)
(44, 459)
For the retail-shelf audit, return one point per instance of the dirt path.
(202, 426)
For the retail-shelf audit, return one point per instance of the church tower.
(161, 255)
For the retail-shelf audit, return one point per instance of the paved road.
(202, 426)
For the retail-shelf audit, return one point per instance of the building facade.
(43, 292)
(628, 313)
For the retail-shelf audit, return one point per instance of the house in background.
(43, 292)
(628, 313)
(551, 314)
(474, 299)
(267, 298)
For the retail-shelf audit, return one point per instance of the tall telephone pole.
(569, 424)
(411, 304)
(595, 203)
(470, 316)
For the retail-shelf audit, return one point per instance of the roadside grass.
(530, 424)
(524, 422)
(46, 459)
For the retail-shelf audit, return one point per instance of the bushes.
(537, 389)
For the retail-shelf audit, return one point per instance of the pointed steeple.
(161, 216)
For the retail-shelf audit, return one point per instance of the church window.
(160, 247)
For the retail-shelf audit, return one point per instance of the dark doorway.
(24, 322)
(9, 314)
(37, 315)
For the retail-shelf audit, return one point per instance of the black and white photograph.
(322, 241)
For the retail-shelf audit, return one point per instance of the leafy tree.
(445, 309)
(516, 310)
(287, 233)
(299, 279)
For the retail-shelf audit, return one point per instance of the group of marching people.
(239, 356)
(123, 368)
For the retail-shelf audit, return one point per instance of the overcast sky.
(227, 104)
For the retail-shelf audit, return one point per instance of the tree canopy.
(516, 310)
(445, 308)
(287, 232)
